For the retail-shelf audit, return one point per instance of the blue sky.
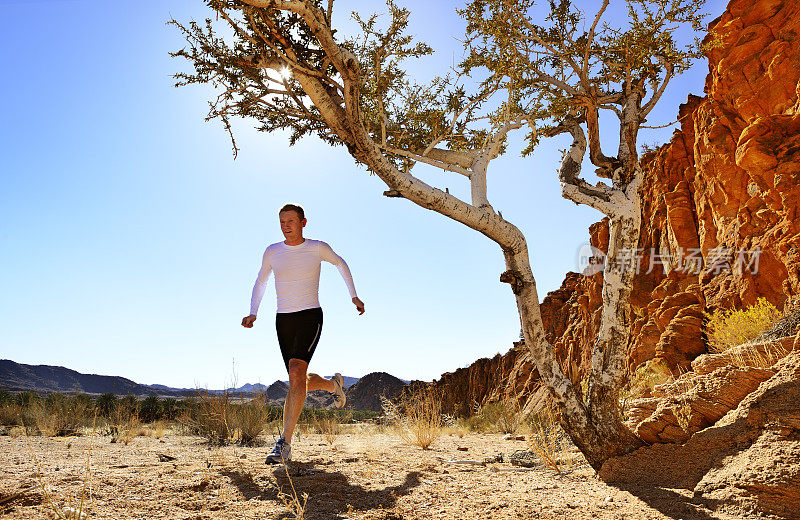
(131, 238)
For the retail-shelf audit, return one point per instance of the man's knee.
(297, 371)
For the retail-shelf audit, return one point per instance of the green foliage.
(400, 113)
(261, 36)
(571, 63)
(150, 409)
(26, 398)
(129, 402)
(397, 112)
(170, 409)
(545, 68)
(105, 404)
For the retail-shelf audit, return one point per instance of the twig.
(495, 469)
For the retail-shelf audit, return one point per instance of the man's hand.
(359, 305)
(247, 321)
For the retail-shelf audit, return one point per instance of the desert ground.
(367, 473)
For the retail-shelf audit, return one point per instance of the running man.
(296, 262)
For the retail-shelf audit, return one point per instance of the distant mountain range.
(17, 377)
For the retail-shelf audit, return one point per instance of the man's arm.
(258, 290)
(327, 254)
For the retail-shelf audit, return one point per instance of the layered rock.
(720, 221)
(699, 398)
(748, 459)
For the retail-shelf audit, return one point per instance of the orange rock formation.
(725, 186)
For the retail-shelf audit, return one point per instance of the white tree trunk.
(596, 428)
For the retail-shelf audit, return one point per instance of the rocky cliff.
(720, 221)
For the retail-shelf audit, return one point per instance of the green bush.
(150, 409)
(105, 404)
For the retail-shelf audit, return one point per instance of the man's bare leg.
(316, 382)
(295, 398)
(297, 393)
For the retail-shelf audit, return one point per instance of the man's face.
(291, 224)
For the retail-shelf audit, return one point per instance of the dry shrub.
(544, 436)
(11, 414)
(652, 373)
(683, 413)
(125, 424)
(59, 415)
(500, 416)
(759, 356)
(329, 427)
(454, 427)
(17, 431)
(220, 420)
(418, 417)
(248, 420)
(728, 328)
(158, 428)
(210, 416)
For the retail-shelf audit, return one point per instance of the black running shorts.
(298, 333)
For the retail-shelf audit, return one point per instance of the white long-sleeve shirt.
(297, 271)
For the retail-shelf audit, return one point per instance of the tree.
(150, 409)
(105, 404)
(285, 67)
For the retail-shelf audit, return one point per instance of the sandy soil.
(366, 475)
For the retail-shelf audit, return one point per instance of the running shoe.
(282, 452)
(338, 391)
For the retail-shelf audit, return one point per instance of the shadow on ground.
(330, 494)
(671, 503)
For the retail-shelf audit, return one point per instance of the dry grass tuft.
(221, 420)
(729, 328)
(248, 420)
(210, 416)
(652, 373)
(683, 413)
(70, 511)
(11, 414)
(59, 415)
(758, 356)
(330, 428)
(417, 418)
(496, 417)
(157, 429)
(544, 437)
(125, 424)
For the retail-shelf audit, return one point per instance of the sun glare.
(285, 73)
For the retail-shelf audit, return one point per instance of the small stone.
(72, 513)
(524, 458)
(609, 499)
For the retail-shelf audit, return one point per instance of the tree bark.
(596, 427)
